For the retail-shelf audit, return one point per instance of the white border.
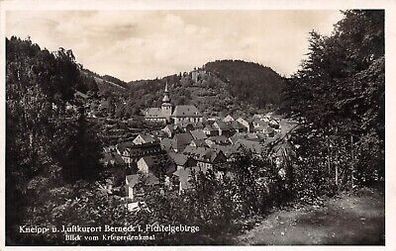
(390, 33)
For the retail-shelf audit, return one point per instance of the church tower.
(166, 106)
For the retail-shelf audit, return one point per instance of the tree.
(342, 81)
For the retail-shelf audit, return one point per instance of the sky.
(145, 44)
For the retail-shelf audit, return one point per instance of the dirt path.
(347, 219)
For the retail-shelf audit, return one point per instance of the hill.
(219, 87)
(249, 82)
(103, 84)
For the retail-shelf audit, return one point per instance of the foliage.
(338, 97)
(39, 87)
(249, 82)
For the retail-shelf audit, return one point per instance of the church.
(169, 114)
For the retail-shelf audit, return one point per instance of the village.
(181, 142)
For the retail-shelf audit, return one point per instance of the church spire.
(166, 98)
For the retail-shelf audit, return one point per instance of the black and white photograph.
(194, 127)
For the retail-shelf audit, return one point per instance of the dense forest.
(249, 82)
(52, 152)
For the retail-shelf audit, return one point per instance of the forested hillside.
(48, 145)
(249, 82)
(209, 94)
(223, 87)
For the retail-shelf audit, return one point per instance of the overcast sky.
(135, 45)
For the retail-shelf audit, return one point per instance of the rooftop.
(186, 111)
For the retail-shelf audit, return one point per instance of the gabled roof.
(166, 143)
(236, 125)
(198, 134)
(154, 112)
(186, 111)
(202, 154)
(237, 136)
(212, 154)
(184, 124)
(147, 138)
(249, 120)
(168, 127)
(253, 146)
(228, 118)
(184, 175)
(118, 159)
(149, 179)
(195, 152)
(228, 150)
(181, 140)
(219, 139)
(222, 125)
(156, 164)
(261, 123)
(200, 142)
(112, 156)
(179, 158)
(132, 180)
(122, 146)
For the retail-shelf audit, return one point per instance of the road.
(357, 218)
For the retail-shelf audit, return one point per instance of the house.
(210, 159)
(206, 158)
(186, 113)
(153, 171)
(194, 152)
(122, 146)
(254, 147)
(168, 130)
(180, 141)
(218, 140)
(112, 159)
(236, 137)
(143, 139)
(135, 184)
(247, 123)
(186, 126)
(274, 123)
(166, 144)
(258, 123)
(158, 135)
(198, 134)
(228, 150)
(156, 164)
(228, 118)
(209, 130)
(184, 177)
(238, 127)
(198, 143)
(182, 160)
(131, 153)
(223, 128)
(265, 130)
